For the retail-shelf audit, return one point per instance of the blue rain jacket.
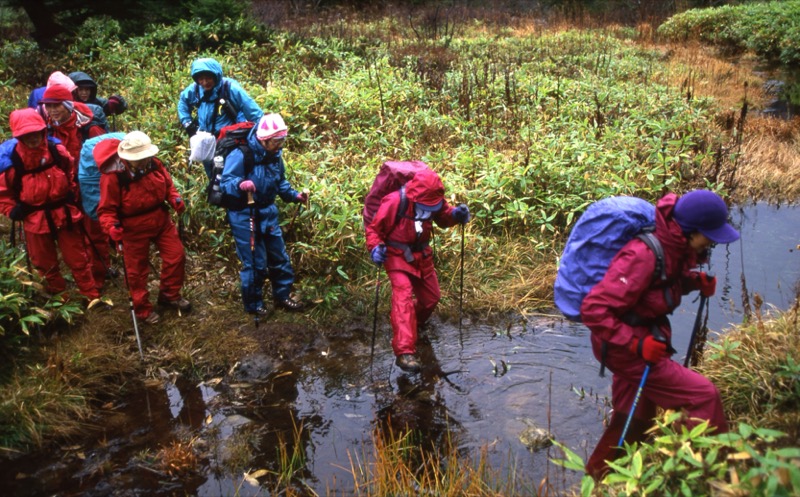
(268, 256)
(210, 117)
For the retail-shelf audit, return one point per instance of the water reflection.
(480, 388)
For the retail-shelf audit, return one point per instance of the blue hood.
(208, 65)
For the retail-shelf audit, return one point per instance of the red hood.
(24, 121)
(425, 188)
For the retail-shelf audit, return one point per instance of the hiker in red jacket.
(136, 192)
(628, 303)
(39, 190)
(404, 249)
(67, 120)
(70, 122)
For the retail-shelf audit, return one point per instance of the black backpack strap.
(401, 210)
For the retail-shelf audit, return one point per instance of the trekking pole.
(696, 329)
(659, 338)
(130, 301)
(461, 291)
(375, 317)
(251, 204)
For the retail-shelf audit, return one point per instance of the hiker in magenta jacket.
(404, 249)
(628, 301)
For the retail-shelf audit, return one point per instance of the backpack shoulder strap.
(401, 210)
(660, 271)
(249, 159)
(649, 238)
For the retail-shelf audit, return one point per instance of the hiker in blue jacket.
(258, 237)
(215, 101)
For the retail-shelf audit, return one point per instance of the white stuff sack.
(202, 145)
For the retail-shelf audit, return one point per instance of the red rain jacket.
(69, 131)
(138, 205)
(629, 284)
(48, 186)
(427, 188)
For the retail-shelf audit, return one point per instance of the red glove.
(115, 233)
(301, 198)
(177, 204)
(247, 186)
(706, 283)
(648, 348)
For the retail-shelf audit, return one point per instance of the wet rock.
(533, 437)
(255, 367)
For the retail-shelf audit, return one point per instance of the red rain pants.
(43, 251)
(136, 252)
(408, 312)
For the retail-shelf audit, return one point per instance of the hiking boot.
(151, 318)
(260, 313)
(290, 304)
(100, 304)
(408, 363)
(180, 304)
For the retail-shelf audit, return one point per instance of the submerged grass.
(398, 464)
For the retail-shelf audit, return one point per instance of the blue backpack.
(605, 227)
(89, 175)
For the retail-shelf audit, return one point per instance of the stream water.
(508, 374)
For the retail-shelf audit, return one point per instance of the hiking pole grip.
(659, 336)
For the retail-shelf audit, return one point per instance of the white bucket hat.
(136, 146)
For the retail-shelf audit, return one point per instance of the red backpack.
(392, 176)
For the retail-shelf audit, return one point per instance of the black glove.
(17, 213)
(191, 128)
(116, 105)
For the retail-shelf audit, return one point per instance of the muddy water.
(483, 387)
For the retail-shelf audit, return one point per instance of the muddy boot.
(606, 449)
(408, 363)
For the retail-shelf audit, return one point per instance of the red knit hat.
(24, 121)
(426, 190)
(56, 94)
(105, 151)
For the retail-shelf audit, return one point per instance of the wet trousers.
(136, 253)
(43, 251)
(669, 385)
(409, 312)
(267, 257)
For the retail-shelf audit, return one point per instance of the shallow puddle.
(484, 386)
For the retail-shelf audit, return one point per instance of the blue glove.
(461, 214)
(379, 254)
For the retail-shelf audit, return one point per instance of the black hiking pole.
(461, 291)
(696, 329)
(375, 317)
(130, 301)
(659, 338)
(251, 204)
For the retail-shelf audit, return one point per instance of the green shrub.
(22, 306)
(768, 29)
(683, 462)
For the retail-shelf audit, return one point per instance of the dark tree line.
(54, 19)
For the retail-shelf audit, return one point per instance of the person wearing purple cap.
(627, 316)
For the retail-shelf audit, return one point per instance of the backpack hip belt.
(48, 208)
(408, 249)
